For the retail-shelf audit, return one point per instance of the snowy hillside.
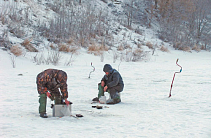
(30, 21)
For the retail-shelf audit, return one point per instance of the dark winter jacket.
(52, 79)
(113, 79)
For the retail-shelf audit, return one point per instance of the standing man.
(112, 83)
(48, 84)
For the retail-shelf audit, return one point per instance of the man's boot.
(115, 98)
(42, 107)
(43, 115)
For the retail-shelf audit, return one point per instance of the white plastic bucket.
(102, 99)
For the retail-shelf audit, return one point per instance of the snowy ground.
(145, 111)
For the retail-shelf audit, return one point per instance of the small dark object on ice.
(79, 115)
(98, 107)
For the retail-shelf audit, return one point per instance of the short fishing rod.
(92, 70)
(174, 77)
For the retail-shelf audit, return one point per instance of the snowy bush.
(97, 50)
(149, 45)
(72, 51)
(196, 48)
(53, 57)
(164, 49)
(137, 54)
(27, 44)
(16, 50)
(185, 48)
(64, 47)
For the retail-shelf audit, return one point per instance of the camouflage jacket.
(52, 79)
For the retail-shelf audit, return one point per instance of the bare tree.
(201, 14)
(184, 21)
(129, 12)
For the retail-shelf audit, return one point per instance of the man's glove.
(48, 94)
(67, 102)
(105, 88)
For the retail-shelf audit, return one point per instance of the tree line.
(184, 23)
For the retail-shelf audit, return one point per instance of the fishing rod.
(174, 77)
(92, 70)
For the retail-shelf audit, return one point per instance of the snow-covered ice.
(145, 110)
